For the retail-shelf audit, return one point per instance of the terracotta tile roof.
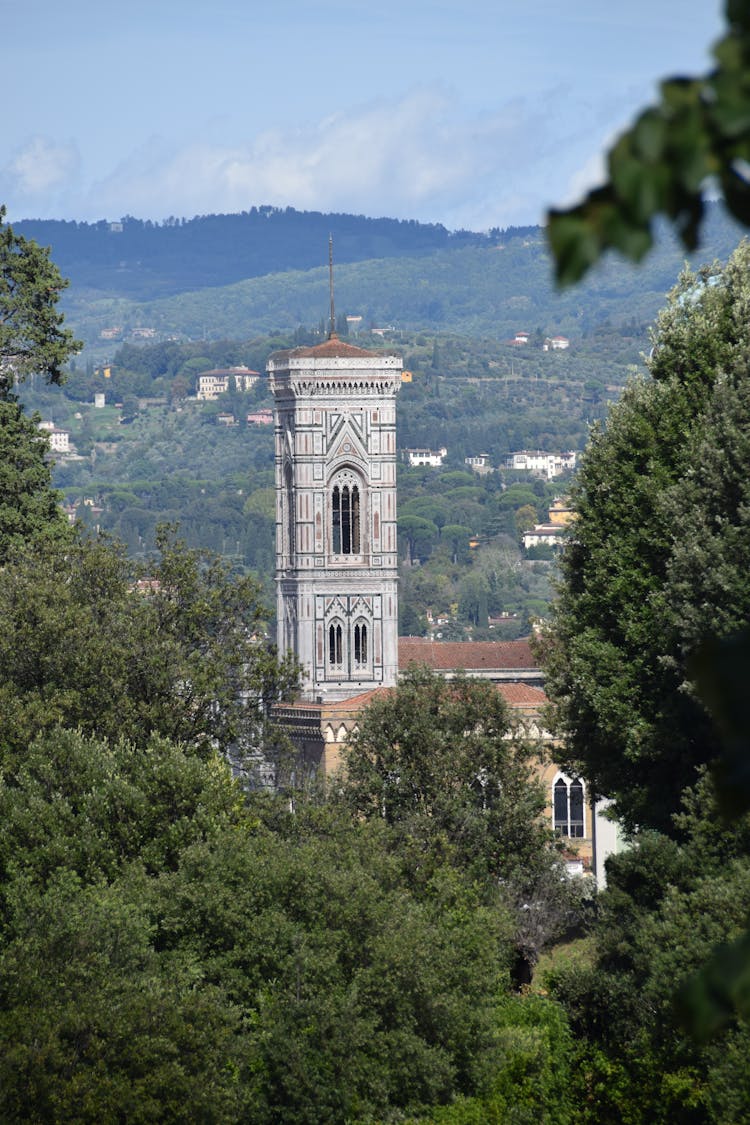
(355, 703)
(515, 695)
(358, 703)
(332, 348)
(519, 695)
(467, 655)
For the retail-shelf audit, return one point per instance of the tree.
(130, 408)
(29, 507)
(441, 762)
(419, 535)
(698, 133)
(658, 561)
(181, 653)
(665, 906)
(32, 339)
(171, 953)
(456, 536)
(179, 389)
(526, 517)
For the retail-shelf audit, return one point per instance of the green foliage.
(98, 1018)
(532, 1079)
(666, 907)
(82, 645)
(659, 557)
(171, 953)
(32, 339)
(437, 761)
(698, 132)
(29, 507)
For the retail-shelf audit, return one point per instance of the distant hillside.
(143, 260)
(476, 285)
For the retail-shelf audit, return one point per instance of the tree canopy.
(29, 506)
(175, 648)
(32, 339)
(659, 558)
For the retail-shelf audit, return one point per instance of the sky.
(470, 113)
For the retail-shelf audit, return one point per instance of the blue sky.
(474, 113)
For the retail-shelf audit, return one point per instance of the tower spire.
(332, 333)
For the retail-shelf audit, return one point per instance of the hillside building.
(479, 463)
(430, 457)
(217, 382)
(550, 534)
(59, 439)
(536, 461)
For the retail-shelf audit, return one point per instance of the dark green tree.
(659, 555)
(92, 642)
(456, 536)
(170, 954)
(32, 339)
(666, 906)
(418, 534)
(442, 762)
(29, 507)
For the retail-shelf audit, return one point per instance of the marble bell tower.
(336, 560)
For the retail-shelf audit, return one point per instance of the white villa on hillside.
(216, 382)
(546, 465)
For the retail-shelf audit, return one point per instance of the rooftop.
(467, 655)
(332, 348)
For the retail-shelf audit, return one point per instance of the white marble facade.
(336, 560)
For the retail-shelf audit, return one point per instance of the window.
(335, 646)
(290, 514)
(345, 517)
(360, 644)
(568, 808)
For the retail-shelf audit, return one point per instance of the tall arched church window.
(568, 817)
(575, 800)
(346, 516)
(335, 645)
(360, 644)
(290, 520)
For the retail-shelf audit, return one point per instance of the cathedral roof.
(467, 655)
(332, 348)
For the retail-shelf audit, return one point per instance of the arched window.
(360, 644)
(568, 817)
(335, 645)
(575, 801)
(290, 514)
(346, 516)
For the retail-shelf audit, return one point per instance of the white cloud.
(422, 156)
(40, 168)
(418, 157)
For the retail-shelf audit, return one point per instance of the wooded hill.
(265, 271)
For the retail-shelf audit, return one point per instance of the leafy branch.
(697, 134)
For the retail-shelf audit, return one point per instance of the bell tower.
(336, 560)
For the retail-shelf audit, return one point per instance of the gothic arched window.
(335, 645)
(360, 644)
(290, 513)
(346, 515)
(568, 808)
